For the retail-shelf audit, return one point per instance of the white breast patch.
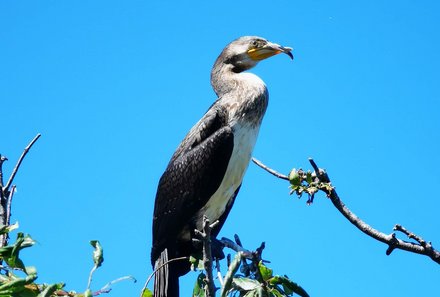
(245, 137)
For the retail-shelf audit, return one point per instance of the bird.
(205, 172)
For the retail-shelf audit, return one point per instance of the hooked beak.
(269, 50)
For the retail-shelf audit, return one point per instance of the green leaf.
(253, 293)
(309, 177)
(30, 270)
(258, 292)
(199, 287)
(232, 270)
(294, 179)
(48, 290)
(4, 229)
(276, 293)
(15, 262)
(196, 263)
(246, 284)
(11, 256)
(17, 284)
(266, 272)
(6, 251)
(290, 287)
(147, 293)
(98, 253)
(88, 292)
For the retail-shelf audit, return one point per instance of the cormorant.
(205, 173)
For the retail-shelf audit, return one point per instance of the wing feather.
(191, 178)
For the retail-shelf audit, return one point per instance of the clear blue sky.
(113, 86)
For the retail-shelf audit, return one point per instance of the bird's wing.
(192, 177)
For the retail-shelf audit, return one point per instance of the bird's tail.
(166, 281)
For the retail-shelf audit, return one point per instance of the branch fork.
(7, 191)
(205, 237)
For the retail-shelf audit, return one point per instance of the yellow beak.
(269, 50)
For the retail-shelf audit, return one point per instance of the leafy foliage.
(266, 284)
(306, 182)
(261, 282)
(19, 280)
(199, 288)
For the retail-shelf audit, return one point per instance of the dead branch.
(17, 166)
(7, 191)
(271, 171)
(419, 247)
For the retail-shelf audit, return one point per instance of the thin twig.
(409, 234)
(219, 274)
(6, 220)
(234, 246)
(159, 268)
(271, 171)
(107, 288)
(2, 160)
(89, 282)
(9, 205)
(17, 166)
(3, 195)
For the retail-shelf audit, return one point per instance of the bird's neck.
(244, 93)
(224, 80)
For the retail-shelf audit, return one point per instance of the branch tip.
(17, 166)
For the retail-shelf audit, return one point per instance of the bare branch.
(9, 205)
(271, 171)
(420, 247)
(234, 246)
(7, 191)
(107, 288)
(389, 239)
(2, 159)
(3, 195)
(219, 274)
(17, 166)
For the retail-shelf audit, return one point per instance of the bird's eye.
(258, 43)
(254, 43)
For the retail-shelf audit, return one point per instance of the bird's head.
(245, 52)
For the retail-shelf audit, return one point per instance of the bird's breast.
(245, 136)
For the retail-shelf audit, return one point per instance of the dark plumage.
(205, 173)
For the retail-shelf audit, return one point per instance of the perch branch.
(205, 236)
(271, 171)
(420, 247)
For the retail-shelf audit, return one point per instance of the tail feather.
(166, 281)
